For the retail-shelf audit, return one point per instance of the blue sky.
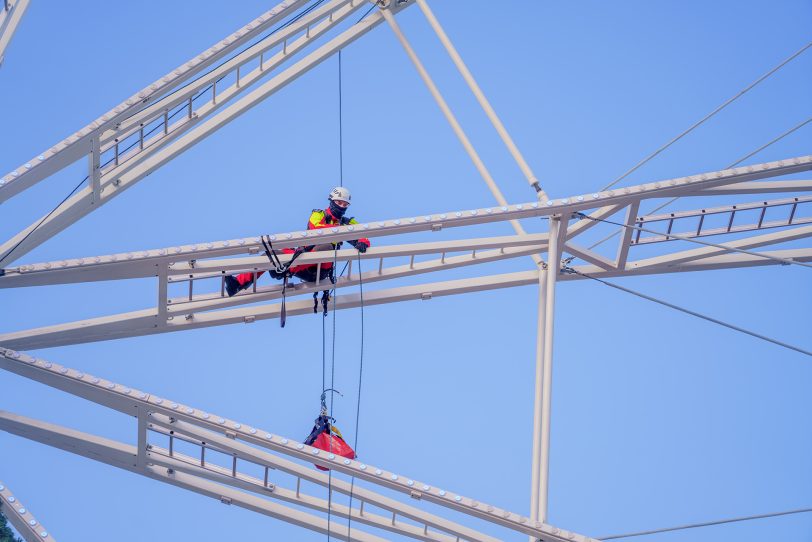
(658, 418)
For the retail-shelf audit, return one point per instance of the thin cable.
(332, 393)
(360, 380)
(340, 127)
(709, 115)
(784, 261)
(367, 12)
(706, 524)
(690, 312)
(72, 192)
(82, 182)
(734, 164)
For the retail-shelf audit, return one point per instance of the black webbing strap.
(271, 254)
(283, 315)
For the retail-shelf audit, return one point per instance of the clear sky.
(659, 419)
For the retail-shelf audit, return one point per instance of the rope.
(360, 380)
(784, 261)
(709, 115)
(689, 312)
(734, 164)
(340, 127)
(72, 192)
(706, 524)
(335, 264)
(332, 392)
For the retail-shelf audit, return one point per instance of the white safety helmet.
(339, 193)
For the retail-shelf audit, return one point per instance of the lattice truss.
(11, 12)
(755, 209)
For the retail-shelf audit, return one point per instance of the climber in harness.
(326, 436)
(333, 215)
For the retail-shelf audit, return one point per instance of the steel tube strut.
(537, 401)
(483, 101)
(455, 125)
(553, 266)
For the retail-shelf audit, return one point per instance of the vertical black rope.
(340, 127)
(332, 393)
(358, 400)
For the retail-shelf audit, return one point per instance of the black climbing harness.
(280, 271)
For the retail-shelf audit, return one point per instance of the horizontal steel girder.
(608, 200)
(148, 322)
(116, 267)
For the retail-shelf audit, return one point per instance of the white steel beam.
(183, 306)
(21, 518)
(248, 453)
(235, 438)
(11, 13)
(179, 311)
(189, 465)
(674, 259)
(606, 200)
(552, 271)
(77, 145)
(626, 236)
(589, 256)
(535, 458)
(309, 29)
(117, 267)
(769, 187)
(331, 10)
(793, 218)
(138, 323)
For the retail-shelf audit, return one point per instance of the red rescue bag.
(327, 437)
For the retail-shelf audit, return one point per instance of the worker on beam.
(333, 215)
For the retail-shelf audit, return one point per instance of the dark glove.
(361, 246)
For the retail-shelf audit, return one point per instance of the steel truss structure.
(11, 13)
(200, 269)
(243, 444)
(171, 115)
(21, 518)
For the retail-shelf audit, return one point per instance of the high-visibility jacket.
(323, 218)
